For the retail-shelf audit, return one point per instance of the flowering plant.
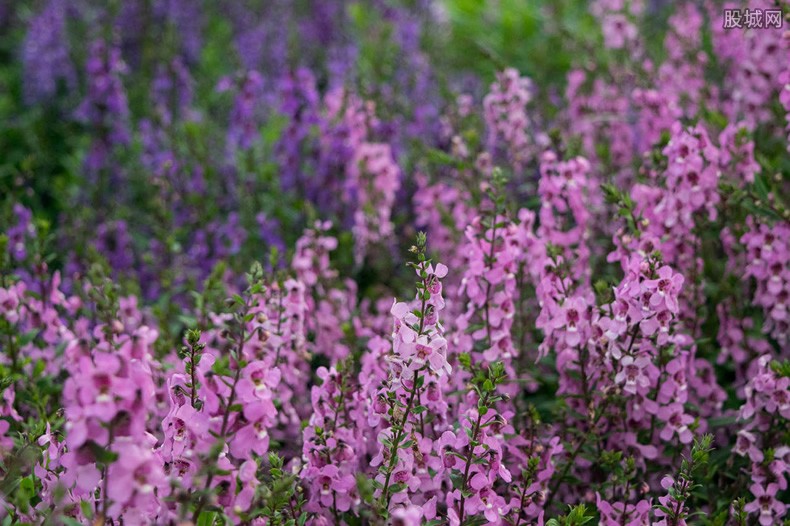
(346, 263)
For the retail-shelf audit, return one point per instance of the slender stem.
(105, 504)
(279, 324)
(341, 406)
(223, 430)
(469, 455)
(525, 485)
(521, 503)
(335, 513)
(624, 516)
(488, 283)
(676, 513)
(192, 377)
(401, 430)
(576, 451)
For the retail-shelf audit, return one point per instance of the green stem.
(469, 455)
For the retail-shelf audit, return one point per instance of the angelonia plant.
(404, 262)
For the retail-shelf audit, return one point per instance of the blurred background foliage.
(43, 147)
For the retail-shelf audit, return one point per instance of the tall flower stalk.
(419, 353)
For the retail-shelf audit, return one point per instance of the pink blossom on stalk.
(373, 179)
(570, 320)
(768, 507)
(768, 262)
(333, 445)
(253, 436)
(670, 502)
(329, 302)
(506, 115)
(136, 482)
(407, 516)
(485, 500)
(618, 513)
(676, 421)
(418, 360)
(664, 289)
(632, 375)
(755, 62)
(111, 388)
(333, 485)
(745, 445)
(737, 153)
(9, 302)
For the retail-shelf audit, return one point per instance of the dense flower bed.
(277, 263)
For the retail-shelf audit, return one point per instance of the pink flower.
(448, 447)
(406, 516)
(254, 436)
(665, 289)
(677, 421)
(9, 302)
(136, 479)
(571, 319)
(335, 487)
(485, 500)
(434, 352)
(434, 286)
(618, 31)
(770, 509)
(660, 323)
(620, 513)
(745, 445)
(258, 381)
(249, 482)
(632, 374)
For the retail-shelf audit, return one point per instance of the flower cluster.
(766, 411)
(375, 178)
(333, 444)
(505, 112)
(107, 400)
(105, 107)
(418, 369)
(768, 262)
(46, 54)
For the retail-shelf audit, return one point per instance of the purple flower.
(46, 54)
(770, 509)
(632, 374)
(676, 422)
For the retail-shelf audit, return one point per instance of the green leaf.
(465, 360)
(101, 454)
(207, 518)
(365, 488)
(87, 509)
